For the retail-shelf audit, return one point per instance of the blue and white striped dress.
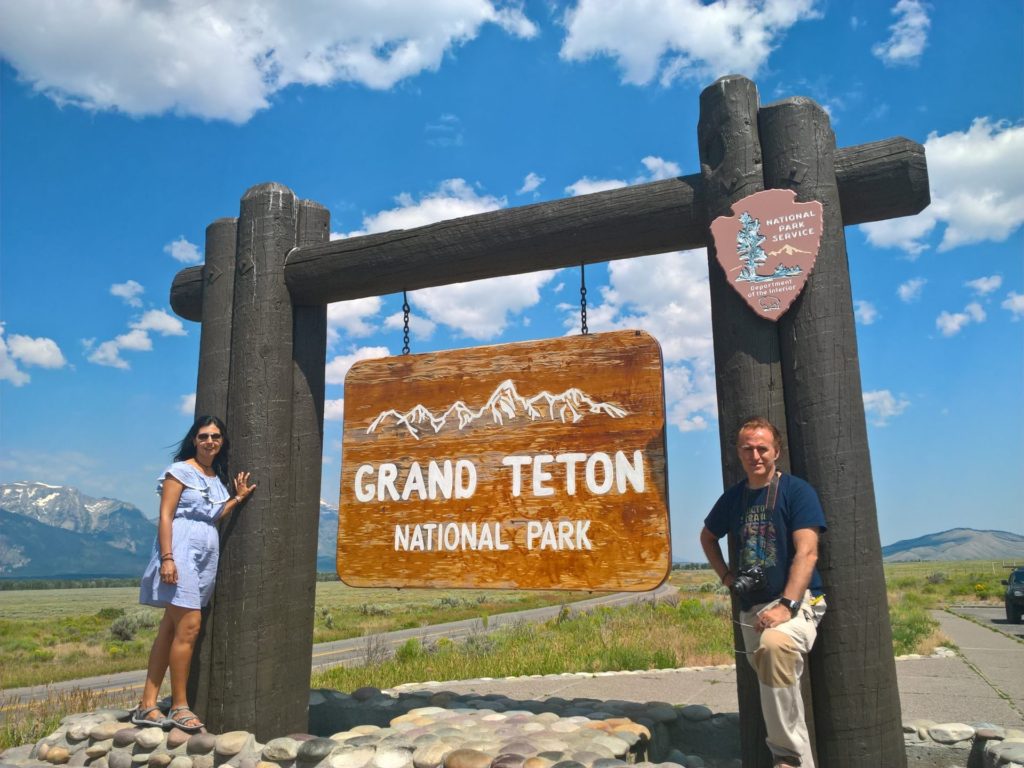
(195, 542)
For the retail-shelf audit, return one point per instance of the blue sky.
(127, 127)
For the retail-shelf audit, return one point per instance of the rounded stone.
(640, 730)
(391, 758)
(80, 731)
(125, 736)
(202, 761)
(99, 748)
(141, 758)
(662, 713)
(568, 764)
(231, 743)
(614, 743)
(467, 758)
(106, 730)
(365, 693)
(362, 730)
(552, 755)
(176, 737)
(508, 760)
(365, 740)
(430, 755)
(695, 713)
(267, 764)
(201, 744)
(150, 738)
(180, 761)
(537, 762)
(519, 747)
(58, 755)
(586, 757)
(160, 759)
(281, 749)
(564, 726)
(351, 758)
(950, 733)
(608, 762)
(100, 762)
(315, 750)
(119, 759)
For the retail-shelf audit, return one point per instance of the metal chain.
(583, 301)
(405, 324)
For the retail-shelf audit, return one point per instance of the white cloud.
(446, 132)
(159, 321)
(951, 323)
(985, 285)
(420, 327)
(480, 309)
(136, 340)
(530, 183)
(977, 190)
(108, 353)
(353, 317)
(226, 60)
(129, 291)
(666, 295)
(9, 370)
(453, 199)
(334, 410)
(657, 169)
(865, 312)
(672, 39)
(588, 186)
(187, 404)
(911, 290)
(881, 405)
(337, 368)
(909, 35)
(184, 251)
(40, 352)
(1014, 304)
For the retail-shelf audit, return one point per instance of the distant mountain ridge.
(55, 530)
(505, 403)
(957, 544)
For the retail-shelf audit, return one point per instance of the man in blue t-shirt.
(775, 521)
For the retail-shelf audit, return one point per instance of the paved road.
(340, 652)
(992, 617)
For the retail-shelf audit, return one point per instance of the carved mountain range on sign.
(786, 250)
(504, 404)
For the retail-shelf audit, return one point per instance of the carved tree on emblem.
(748, 246)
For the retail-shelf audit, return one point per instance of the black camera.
(749, 579)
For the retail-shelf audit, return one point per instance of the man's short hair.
(760, 422)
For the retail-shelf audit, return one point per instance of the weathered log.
(853, 674)
(880, 180)
(747, 372)
(309, 353)
(212, 393)
(257, 680)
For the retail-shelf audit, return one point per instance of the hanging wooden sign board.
(538, 465)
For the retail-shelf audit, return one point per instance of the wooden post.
(853, 672)
(212, 392)
(747, 372)
(257, 681)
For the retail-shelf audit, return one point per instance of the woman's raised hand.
(242, 487)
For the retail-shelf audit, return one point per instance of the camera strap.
(773, 494)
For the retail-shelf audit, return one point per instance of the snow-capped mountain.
(117, 523)
(504, 404)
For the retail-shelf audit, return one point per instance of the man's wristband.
(793, 605)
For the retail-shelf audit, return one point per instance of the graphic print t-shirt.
(764, 535)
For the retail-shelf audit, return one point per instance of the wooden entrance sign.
(538, 465)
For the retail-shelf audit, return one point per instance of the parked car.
(1015, 596)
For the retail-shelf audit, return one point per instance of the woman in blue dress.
(194, 497)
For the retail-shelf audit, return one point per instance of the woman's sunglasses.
(202, 437)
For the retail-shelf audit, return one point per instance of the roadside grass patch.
(694, 632)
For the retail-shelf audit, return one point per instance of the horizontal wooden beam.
(882, 180)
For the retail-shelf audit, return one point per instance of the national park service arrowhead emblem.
(768, 247)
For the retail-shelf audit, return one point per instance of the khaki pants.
(777, 655)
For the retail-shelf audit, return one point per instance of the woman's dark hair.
(187, 448)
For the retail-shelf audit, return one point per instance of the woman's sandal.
(178, 716)
(141, 717)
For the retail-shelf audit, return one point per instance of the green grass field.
(50, 635)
